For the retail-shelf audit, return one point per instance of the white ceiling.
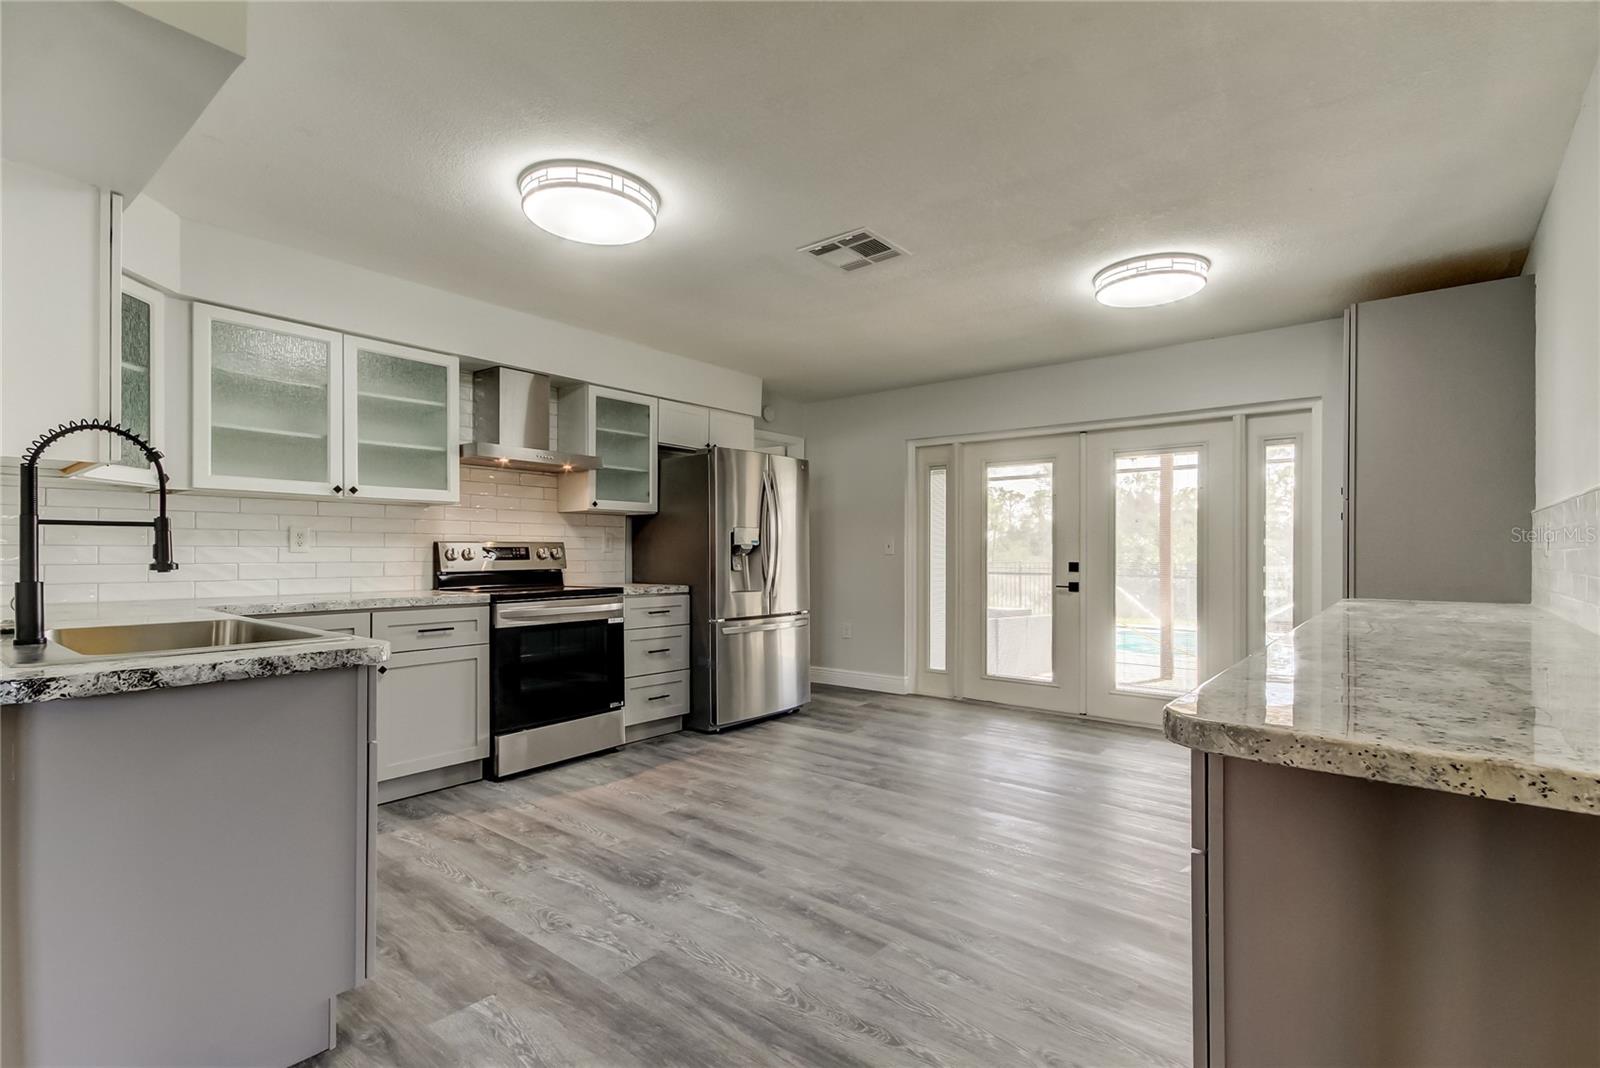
(1318, 153)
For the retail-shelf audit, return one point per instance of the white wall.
(1565, 262)
(219, 266)
(857, 449)
(50, 314)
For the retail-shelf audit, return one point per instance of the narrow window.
(1277, 544)
(937, 573)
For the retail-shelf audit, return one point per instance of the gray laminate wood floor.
(874, 881)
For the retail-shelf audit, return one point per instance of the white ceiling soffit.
(1318, 153)
(102, 92)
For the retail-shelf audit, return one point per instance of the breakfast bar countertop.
(1488, 700)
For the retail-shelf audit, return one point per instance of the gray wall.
(1443, 439)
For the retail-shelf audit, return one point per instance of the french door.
(1019, 614)
(1160, 571)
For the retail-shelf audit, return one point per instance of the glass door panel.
(1020, 618)
(270, 403)
(622, 441)
(405, 421)
(1159, 567)
(936, 570)
(1019, 544)
(1156, 575)
(135, 387)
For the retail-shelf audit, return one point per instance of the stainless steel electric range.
(555, 652)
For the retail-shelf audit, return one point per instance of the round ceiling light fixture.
(588, 202)
(1146, 281)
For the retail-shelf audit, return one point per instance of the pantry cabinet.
(619, 428)
(281, 407)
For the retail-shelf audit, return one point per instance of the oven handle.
(549, 615)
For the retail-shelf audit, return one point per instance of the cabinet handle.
(658, 611)
(338, 489)
(660, 697)
(436, 630)
(383, 671)
(354, 490)
(594, 504)
(653, 652)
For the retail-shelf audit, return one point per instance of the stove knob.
(542, 553)
(488, 553)
(555, 552)
(468, 553)
(450, 553)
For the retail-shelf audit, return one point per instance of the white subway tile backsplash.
(235, 521)
(239, 546)
(1566, 559)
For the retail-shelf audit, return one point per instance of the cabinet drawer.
(433, 710)
(432, 628)
(650, 652)
(653, 697)
(357, 623)
(662, 610)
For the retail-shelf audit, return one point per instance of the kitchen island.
(1396, 855)
(187, 843)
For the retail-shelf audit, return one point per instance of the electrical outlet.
(888, 547)
(613, 541)
(846, 630)
(299, 539)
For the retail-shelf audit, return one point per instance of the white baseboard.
(860, 680)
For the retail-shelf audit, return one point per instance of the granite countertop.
(67, 675)
(649, 589)
(1487, 700)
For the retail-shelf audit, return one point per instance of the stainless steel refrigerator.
(732, 526)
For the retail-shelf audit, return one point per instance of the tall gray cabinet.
(1439, 475)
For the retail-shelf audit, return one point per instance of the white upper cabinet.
(619, 428)
(401, 422)
(691, 426)
(730, 430)
(268, 404)
(685, 425)
(279, 408)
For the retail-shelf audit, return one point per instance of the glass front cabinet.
(280, 407)
(619, 428)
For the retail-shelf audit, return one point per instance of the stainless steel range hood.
(511, 424)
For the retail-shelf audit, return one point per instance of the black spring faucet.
(30, 591)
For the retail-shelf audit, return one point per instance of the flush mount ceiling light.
(1146, 281)
(588, 202)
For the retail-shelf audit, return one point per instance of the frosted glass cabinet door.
(401, 423)
(626, 447)
(268, 404)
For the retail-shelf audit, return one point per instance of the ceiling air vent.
(853, 250)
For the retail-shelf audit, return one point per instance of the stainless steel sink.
(170, 638)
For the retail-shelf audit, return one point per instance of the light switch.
(299, 539)
(846, 630)
(888, 547)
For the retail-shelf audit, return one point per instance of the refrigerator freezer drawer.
(763, 666)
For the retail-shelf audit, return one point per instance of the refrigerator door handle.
(777, 537)
(787, 623)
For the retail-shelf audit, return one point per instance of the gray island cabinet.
(1396, 841)
(187, 859)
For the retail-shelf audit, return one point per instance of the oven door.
(554, 661)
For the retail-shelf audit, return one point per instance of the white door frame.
(1311, 513)
(1259, 430)
(1218, 596)
(928, 680)
(1063, 693)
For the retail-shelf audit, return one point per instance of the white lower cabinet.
(433, 693)
(433, 710)
(656, 659)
